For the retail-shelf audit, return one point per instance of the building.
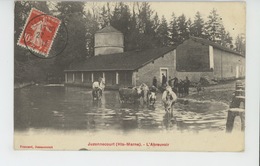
(194, 58)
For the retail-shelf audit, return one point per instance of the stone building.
(194, 58)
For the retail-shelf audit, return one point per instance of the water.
(71, 108)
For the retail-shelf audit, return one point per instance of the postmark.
(39, 32)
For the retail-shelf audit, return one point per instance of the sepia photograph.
(129, 76)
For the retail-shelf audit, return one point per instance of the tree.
(174, 30)
(27, 67)
(92, 27)
(183, 28)
(121, 20)
(228, 40)
(105, 15)
(213, 26)
(225, 38)
(197, 27)
(134, 35)
(163, 33)
(146, 26)
(240, 44)
(72, 13)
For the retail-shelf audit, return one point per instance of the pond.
(71, 108)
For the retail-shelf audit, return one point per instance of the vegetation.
(141, 26)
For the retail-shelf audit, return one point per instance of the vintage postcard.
(132, 76)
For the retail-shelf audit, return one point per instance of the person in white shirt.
(102, 84)
(168, 99)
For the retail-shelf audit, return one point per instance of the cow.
(168, 99)
(152, 95)
(144, 93)
(181, 88)
(129, 94)
(96, 94)
(96, 91)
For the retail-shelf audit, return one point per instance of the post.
(82, 77)
(174, 63)
(211, 57)
(134, 78)
(92, 77)
(73, 77)
(117, 80)
(104, 76)
(66, 77)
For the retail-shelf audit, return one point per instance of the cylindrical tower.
(109, 41)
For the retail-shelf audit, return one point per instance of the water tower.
(109, 41)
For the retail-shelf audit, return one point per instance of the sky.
(233, 14)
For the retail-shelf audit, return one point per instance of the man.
(154, 82)
(175, 85)
(170, 81)
(164, 80)
(168, 99)
(95, 90)
(152, 95)
(186, 86)
(102, 84)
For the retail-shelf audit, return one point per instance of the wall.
(109, 43)
(192, 61)
(146, 73)
(124, 78)
(194, 76)
(192, 57)
(226, 65)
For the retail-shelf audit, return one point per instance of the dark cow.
(96, 94)
(129, 95)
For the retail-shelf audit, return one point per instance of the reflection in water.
(72, 108)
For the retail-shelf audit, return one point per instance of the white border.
(13, 158)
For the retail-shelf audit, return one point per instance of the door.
(163, 71)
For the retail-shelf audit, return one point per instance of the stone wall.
(147, 72)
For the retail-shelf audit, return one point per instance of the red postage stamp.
(39, 32)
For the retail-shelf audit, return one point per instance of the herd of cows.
(135, 95)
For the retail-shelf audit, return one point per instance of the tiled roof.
(214, 45)
(121, 61)
(133, 60)
(108, 29)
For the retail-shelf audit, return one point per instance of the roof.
(215, 45)
(108, 29)
(131, 60)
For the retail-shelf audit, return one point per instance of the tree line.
(140, 24)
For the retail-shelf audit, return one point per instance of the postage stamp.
(39, 32)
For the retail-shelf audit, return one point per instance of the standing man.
(154, 82)
(164, 80)
(102, 84)
(175, 85)
(186, 86)
(170, 82)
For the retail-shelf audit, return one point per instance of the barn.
(194, 58)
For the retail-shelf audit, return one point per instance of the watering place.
(72, 108)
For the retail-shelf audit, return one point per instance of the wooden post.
(66, 77)
(134, 78)
(92, 77)
(117, 80)
(104, 76)
(73, 77)
(82, 77)
(232, 113)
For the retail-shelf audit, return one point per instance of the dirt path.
(221, 92)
